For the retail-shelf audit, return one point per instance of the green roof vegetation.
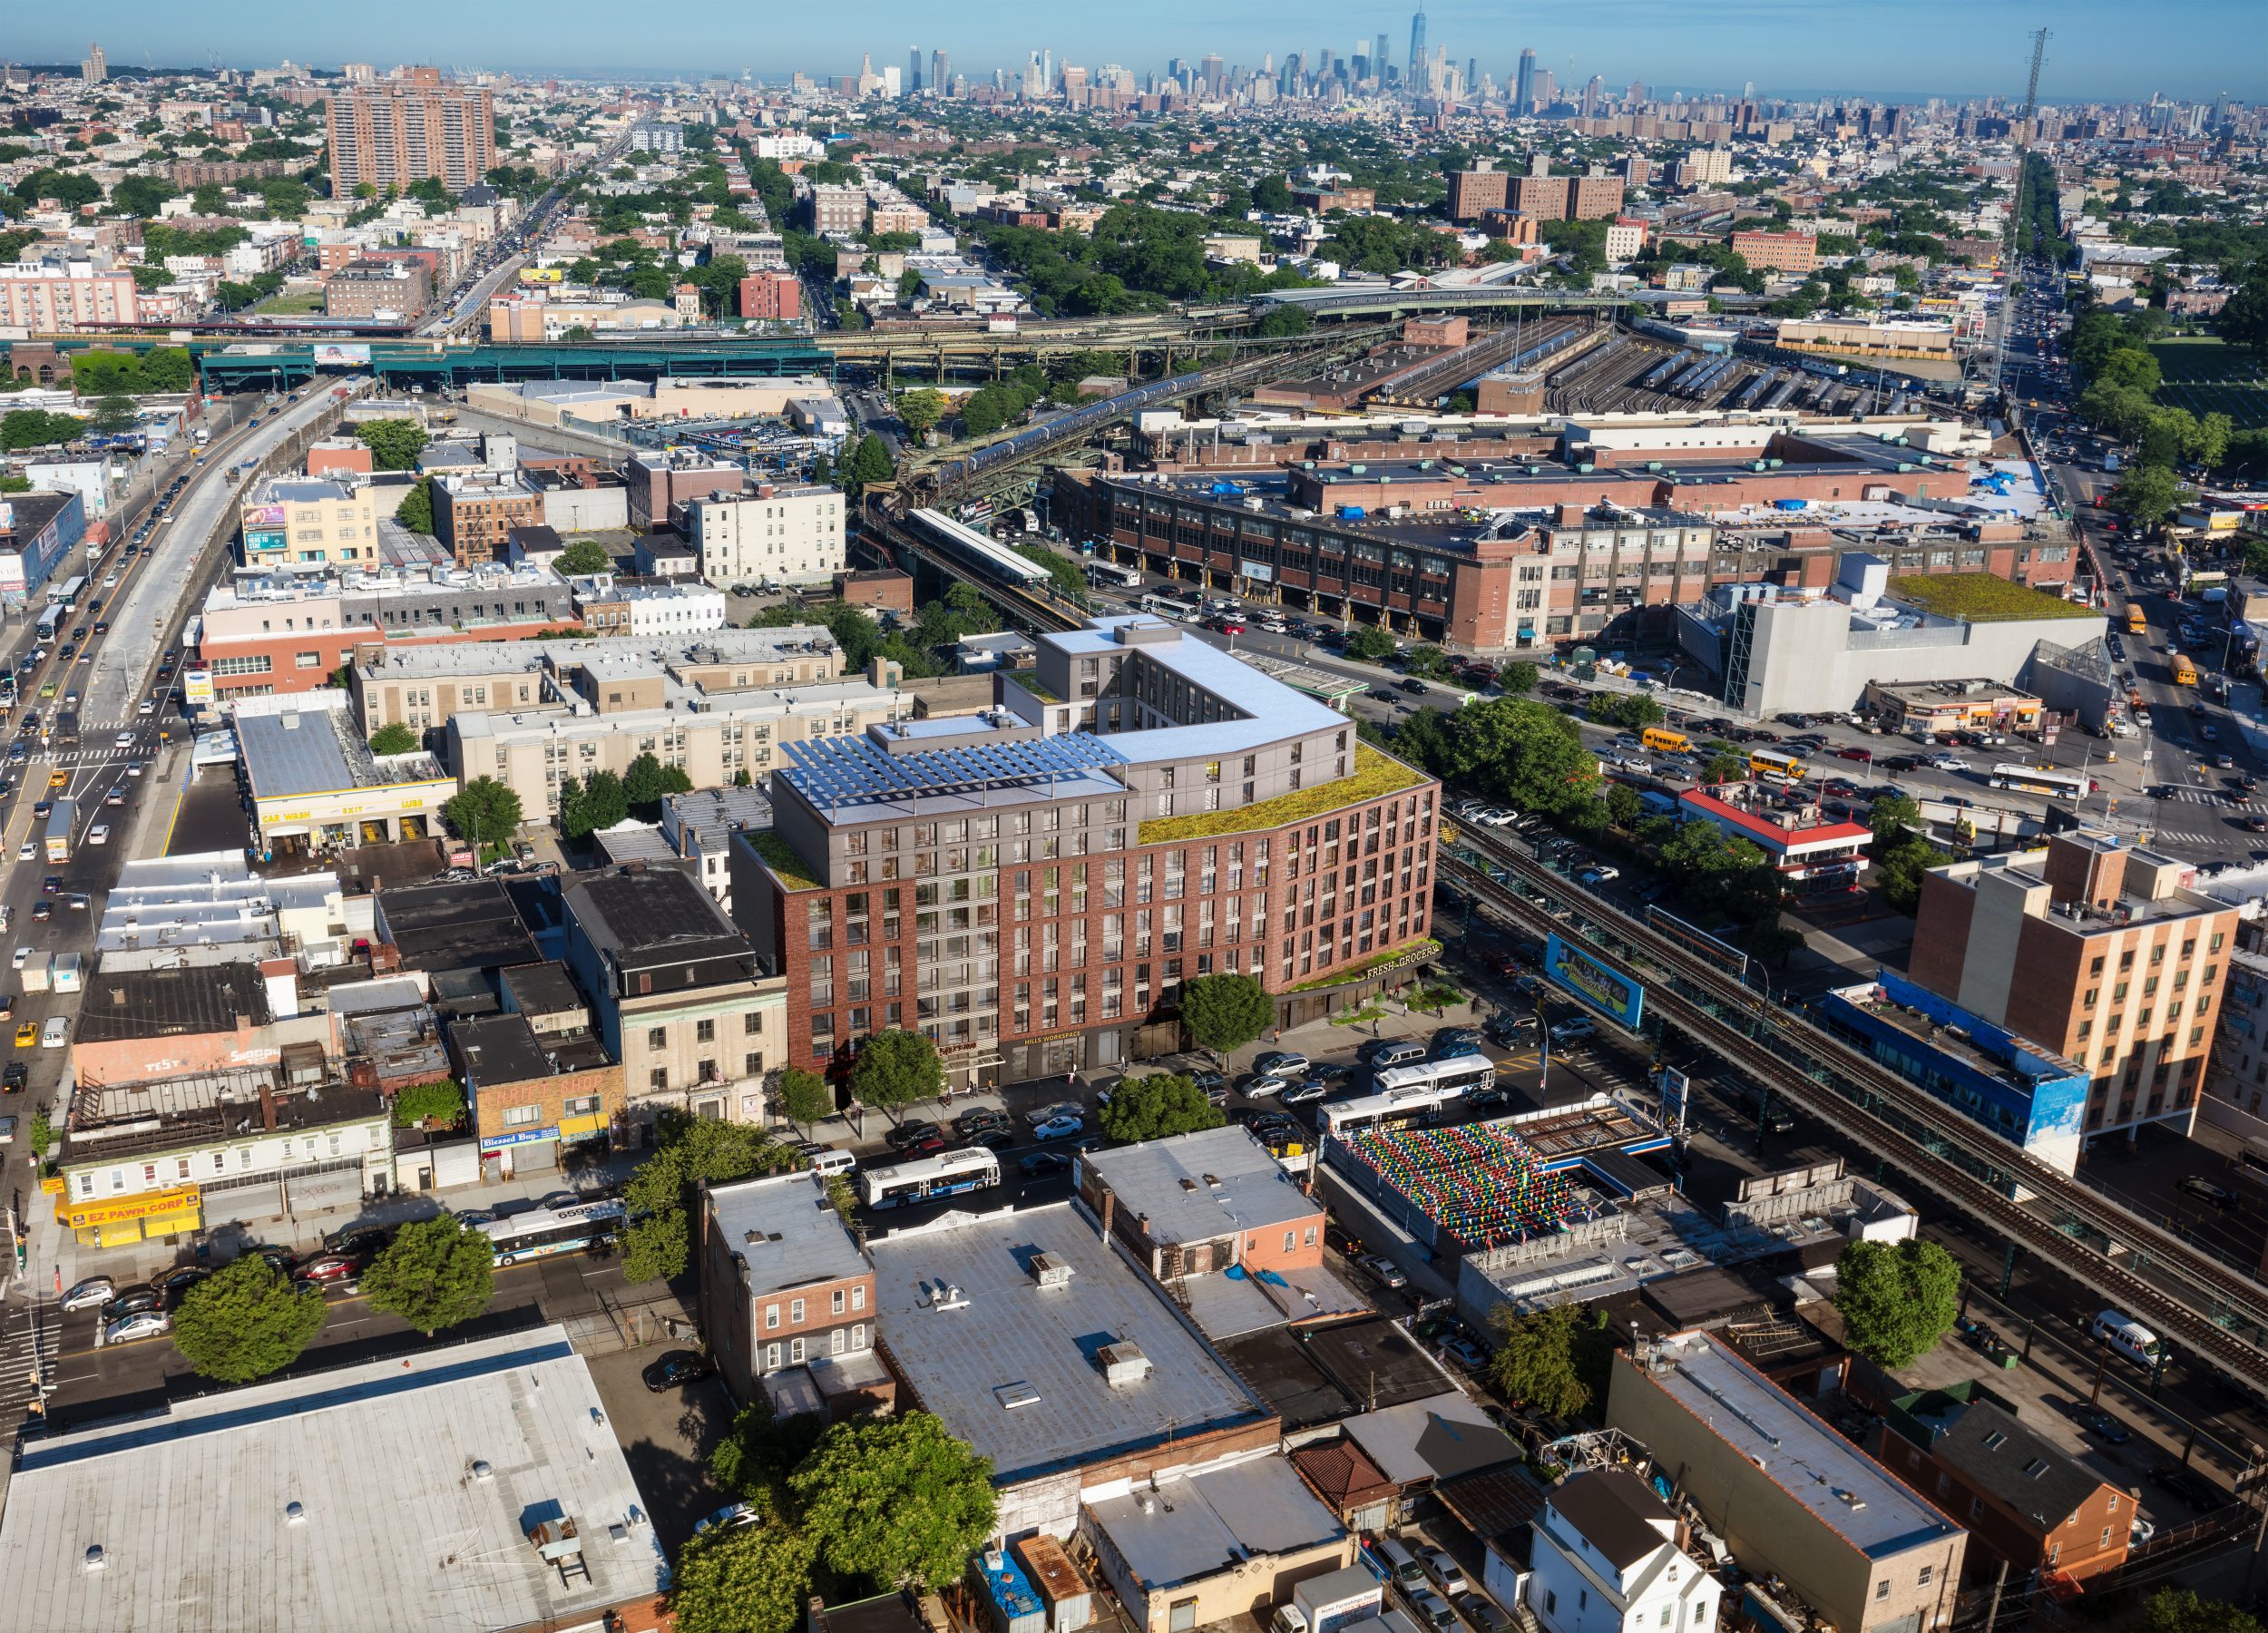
(1409, 953)
(1374, 776)
(781, 858)
(1981, 598)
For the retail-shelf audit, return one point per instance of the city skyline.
(1787, 50)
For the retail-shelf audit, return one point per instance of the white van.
(55, 1034)
(2127, 1337)
(832, 1159)
(1402, 1562)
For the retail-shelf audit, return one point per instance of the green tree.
(2209, 446)
(246, 1321)
(598, 801)
(868, 461)
(688, 1151)
(142, 195)
(897, 1069)
(1633, 711)
(1273, 195)
(1898, 872)
(804, 1097)
(2182, 1611)
(1721, 767)
(1155, 1108)
(2243, 321)
(114, 414)
(583, 557)
(1517, 680)
(1897, 1298)
(741, 1579)
(759, 1451)
(1894, 818)
(393, 444)
(486, 811)
(1224, 1013)
(2147, 495)
(392, 737)
(895, 1500)
(416, 510)
(1554, 1360)
(648, 782)
(921, 409)
(441, 1103)
(1623, 805)
(168, 369)
(435, 1273)
(1371, 644)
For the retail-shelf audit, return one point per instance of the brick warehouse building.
(1029, 886)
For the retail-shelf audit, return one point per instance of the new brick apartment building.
(1031, 886)
(2098, 950)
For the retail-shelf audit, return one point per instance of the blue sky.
(2100, 50)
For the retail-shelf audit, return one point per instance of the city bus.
(1662, 741)
(543, 1231)
(1106, 573)
(50, 619)
(67, 596)
(1772, 766)
(1415, 1093)
(2043, 779)
(947, 1173)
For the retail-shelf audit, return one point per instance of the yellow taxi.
(27, 1034)
(59, 779)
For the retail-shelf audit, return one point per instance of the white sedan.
(1948, 762)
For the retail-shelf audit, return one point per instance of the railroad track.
(2218, 1315)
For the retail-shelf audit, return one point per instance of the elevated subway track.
(2185, 1296)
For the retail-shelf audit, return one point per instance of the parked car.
(93, 1293)
(1280, 1062)
(1388, 1273)
(331, 1269)
(675, 1370)
(133, 1301)
(2188, 1485)
(1574, 1029)
(143, 1324)
(910, 1137)
(2205, 1191)
(1466, 1353)
(1212, 1086)
(2102, 1425)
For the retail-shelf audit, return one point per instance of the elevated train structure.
(2218, 1313)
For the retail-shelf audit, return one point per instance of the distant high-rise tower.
(1417, 40)
(913, 68)
(92, 67)
(1047, 69)
(1378, 60)
(940, 72)
(1209, 73)
(1524, 86)
(1593, 94)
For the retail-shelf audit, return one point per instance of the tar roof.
(1012, 1366)
(784, 1232)
(498, 1048)
(405, 1483)
(472, 925)
(1196, 1187)
(1212, 1522)
(1844, 1487)
(647, 914)
(169, 1003)
(1615, 1513)
(1435, 1439)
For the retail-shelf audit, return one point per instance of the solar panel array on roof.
(832, 770)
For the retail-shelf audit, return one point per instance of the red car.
(329, 1267)
(1865, 756)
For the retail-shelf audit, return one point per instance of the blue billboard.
(1601, 987)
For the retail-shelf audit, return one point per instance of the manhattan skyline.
(1788, 49)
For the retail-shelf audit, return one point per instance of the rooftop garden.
(1374, 776)
(780, 857)
(1981, 598)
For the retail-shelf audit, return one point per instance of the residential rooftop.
(1196, 1187)
(998, 1323)
(783, 1233)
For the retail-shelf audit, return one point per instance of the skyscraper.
(401, 130)
(1594, 94)
(1378, 60)
(1417, 42)
(1524, 87)
(1209, 73)
(913, 68)
(940, 76)
(93, 68)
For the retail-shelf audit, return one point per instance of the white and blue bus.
(1419, 1093)
(549, 1230)
(66, 594)
(946, 1173)
(50, 620)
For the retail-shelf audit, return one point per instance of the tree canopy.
(583, 557)
(2185, 1610)
(246, 1321)
(1554, 1360)
(897, 1069)
(895, 1500)
(485, 810)
(437, 1273)
(688, 1152)
(1224, 1012)
(393, 444)
(805, 1096)
(1897, 1298)
(1154, 1108)
(392, 737)
(741, 1579)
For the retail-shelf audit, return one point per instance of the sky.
(2099, 50)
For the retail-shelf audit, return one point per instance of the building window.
(1881, 1589)
(656, 1037)
(659, 1078)
(795, 1311)
(581, 1105)
(858, 1299)
(771, 1317)
(1927, 1572)
(839, 1297)
(795, 1352)
(521, 1116)
(705, 1031)
(771, 1357)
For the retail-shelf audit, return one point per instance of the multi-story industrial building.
(473, 511)
(302, 521)
(400, 130)
(1031, 886)
(2097, 951)
(781, 535)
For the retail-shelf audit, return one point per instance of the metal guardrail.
(2216, 1314)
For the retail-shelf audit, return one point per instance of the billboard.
(336, 355)
(196, 686)
(1604, 987)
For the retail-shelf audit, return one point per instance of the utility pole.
(2010, 254)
